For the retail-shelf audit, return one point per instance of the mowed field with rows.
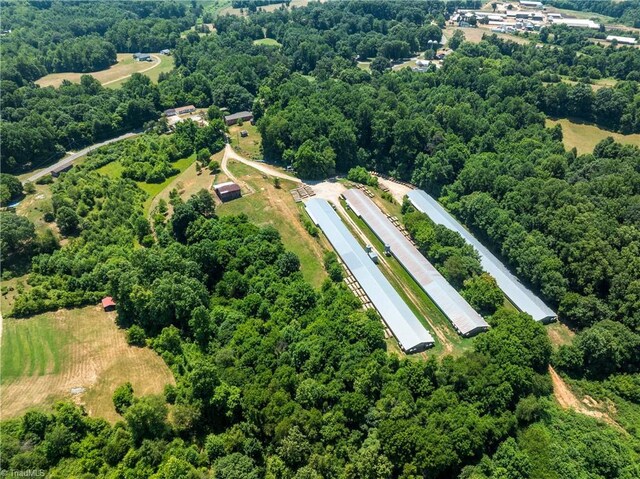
(77, 354)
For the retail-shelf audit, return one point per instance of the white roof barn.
(523, 298)
(406, 327)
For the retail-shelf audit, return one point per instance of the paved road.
(70, 159)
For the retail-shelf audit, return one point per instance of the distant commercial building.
(625, 40)
(237, 117)
(403, 323)
(575, 23)
(227, 191)
(142, 57)
(522, 298)
(528, 4)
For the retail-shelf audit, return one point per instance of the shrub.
(136, 336)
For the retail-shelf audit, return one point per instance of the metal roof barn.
(523, 298)
(406, 327)
(462, 316)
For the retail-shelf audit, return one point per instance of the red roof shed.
(108, 304)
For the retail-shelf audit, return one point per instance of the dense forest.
(275, 378)
(58, 36)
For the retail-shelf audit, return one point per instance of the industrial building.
(461, 315)
(522, 298)
(410, 333)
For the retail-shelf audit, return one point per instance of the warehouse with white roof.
(462, 316)
(522, 297)
(410, 333)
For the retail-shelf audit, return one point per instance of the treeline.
(40, 124)
(276, 379)
(627, 11)
(82, 37)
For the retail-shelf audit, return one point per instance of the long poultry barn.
(522, 297)
(410, 333)
(461, 315)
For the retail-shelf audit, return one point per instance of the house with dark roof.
(142, 57)
(237, 117)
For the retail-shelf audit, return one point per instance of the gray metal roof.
(463, 317)
(406, 327)
(523, 298)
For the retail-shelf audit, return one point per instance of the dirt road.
(157, 63)
(229, 153)
(588, 406)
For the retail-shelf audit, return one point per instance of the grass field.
(77, 354)
(584, 137)
(275, 207)
(114, 170)
(270, 42)
(595, 84)
(115, 75)
(165, 66)
(474, 35)
(249, 146)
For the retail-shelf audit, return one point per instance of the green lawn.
(38, 341)
(584, 136)
(270, 42)
(275, 207)
(166, 65)
(115, 168)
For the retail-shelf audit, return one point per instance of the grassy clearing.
(419, 302)
(115, 168)
(275, 207)
(584, 137)
(35, 205)
(47, 356)
(124, 67)
(166, 65)
(270, 42)
(474, 35)
(595, 84)
(248, 146)
(10, 289)
(559, 334)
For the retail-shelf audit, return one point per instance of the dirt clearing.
(587, 406)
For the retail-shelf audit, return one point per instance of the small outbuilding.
(244, 133)
(55, 172)
(227, 191)
(142, 57)
(237, 117)
(108, 304)
(166, 51)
